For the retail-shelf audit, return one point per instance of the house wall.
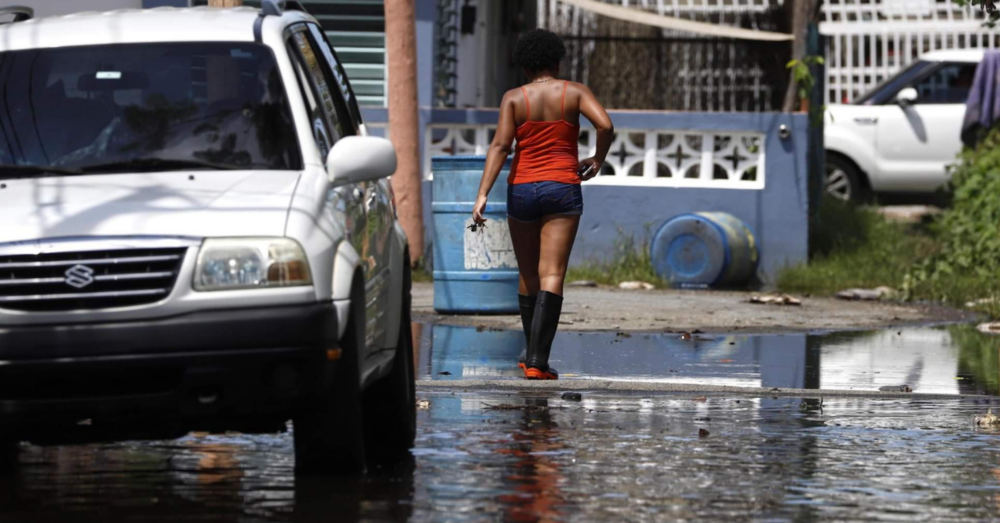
(775, 210)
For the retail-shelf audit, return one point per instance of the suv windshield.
(142, 108)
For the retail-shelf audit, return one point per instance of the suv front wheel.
(843, 180)
(329, 432)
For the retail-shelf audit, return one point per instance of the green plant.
(805, 82)
(968, 261)
(992, 14)
(629, 261)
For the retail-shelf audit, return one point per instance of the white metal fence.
(869, 41)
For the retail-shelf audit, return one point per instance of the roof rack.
(275, 7)
(20, 13)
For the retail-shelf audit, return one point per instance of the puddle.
(515, 457)
(947, 360)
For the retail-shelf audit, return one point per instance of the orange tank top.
(546, 151)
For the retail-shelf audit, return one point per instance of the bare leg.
(526, 238)
(557, 236)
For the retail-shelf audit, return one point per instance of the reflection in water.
(513, 457)
(953, 360)
(534, 476)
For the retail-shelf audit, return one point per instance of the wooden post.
(802, 13)
(401, 55)
(225, 3)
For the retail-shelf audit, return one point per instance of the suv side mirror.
(906, 96)
(356, 159)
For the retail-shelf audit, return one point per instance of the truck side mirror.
(906, 96)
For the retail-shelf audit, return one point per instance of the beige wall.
(62, 7)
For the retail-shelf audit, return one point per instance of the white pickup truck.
(900, 136)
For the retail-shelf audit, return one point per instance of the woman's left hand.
(478, 210)
(593, 166)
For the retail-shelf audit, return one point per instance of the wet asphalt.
(626, 455)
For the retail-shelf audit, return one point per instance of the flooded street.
(533, 456)
(500, 457)
(933, 360)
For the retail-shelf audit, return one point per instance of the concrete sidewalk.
(608, 309)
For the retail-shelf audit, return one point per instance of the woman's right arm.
(500, 149)
(605, 129)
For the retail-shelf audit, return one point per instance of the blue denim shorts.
(528, 202)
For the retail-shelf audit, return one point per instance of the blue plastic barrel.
(708, 249)
(474, 272)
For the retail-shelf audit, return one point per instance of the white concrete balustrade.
(638, 157)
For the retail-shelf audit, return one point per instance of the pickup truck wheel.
(329, 432)
(390, 404)
(843, 181)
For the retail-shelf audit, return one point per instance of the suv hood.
(181, 203)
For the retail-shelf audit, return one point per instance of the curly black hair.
(538, 50)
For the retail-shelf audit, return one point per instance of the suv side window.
(949, 84)
(339, 75)
(321, 100)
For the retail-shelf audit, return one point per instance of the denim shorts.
(528, 202)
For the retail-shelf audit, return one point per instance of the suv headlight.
(250, 263)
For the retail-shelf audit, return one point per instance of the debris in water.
(896, 388)
(701, 399)
(686, 336)
(507, 406)
(444, 373)
(636, 286)
(621, 334)
(775, 299)
(572, 396)
(989, 420)
(423, 404)
(702, 433)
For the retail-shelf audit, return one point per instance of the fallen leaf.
(702, 433)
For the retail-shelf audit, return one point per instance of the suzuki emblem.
(79, 276)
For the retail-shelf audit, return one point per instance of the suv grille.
(88, 280)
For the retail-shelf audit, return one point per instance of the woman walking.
(544, 200)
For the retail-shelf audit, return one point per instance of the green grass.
(629, 261)
(854, 246)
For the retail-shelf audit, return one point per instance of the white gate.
(868, 41)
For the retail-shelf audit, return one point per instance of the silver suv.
(197, 233)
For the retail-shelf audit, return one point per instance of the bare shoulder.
(511, 96)
(580, 88)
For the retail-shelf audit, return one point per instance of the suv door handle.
(869, 120)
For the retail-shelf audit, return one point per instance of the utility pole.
(401, 54)
(225, 3)
(801, 13)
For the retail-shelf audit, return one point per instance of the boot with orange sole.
(548, 307)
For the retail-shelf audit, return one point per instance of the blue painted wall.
(778, 214)
(149, 4)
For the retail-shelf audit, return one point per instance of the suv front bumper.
(239, 369)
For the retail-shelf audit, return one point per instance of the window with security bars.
(356, 28)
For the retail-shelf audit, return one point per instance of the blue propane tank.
(707, 249)
(474, 272)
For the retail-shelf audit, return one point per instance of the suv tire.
(329, 432)
(390, 405)
(843, 181)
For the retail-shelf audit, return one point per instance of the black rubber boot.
(527, 306)
(548, 307)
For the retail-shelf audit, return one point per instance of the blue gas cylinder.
(707, 249)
